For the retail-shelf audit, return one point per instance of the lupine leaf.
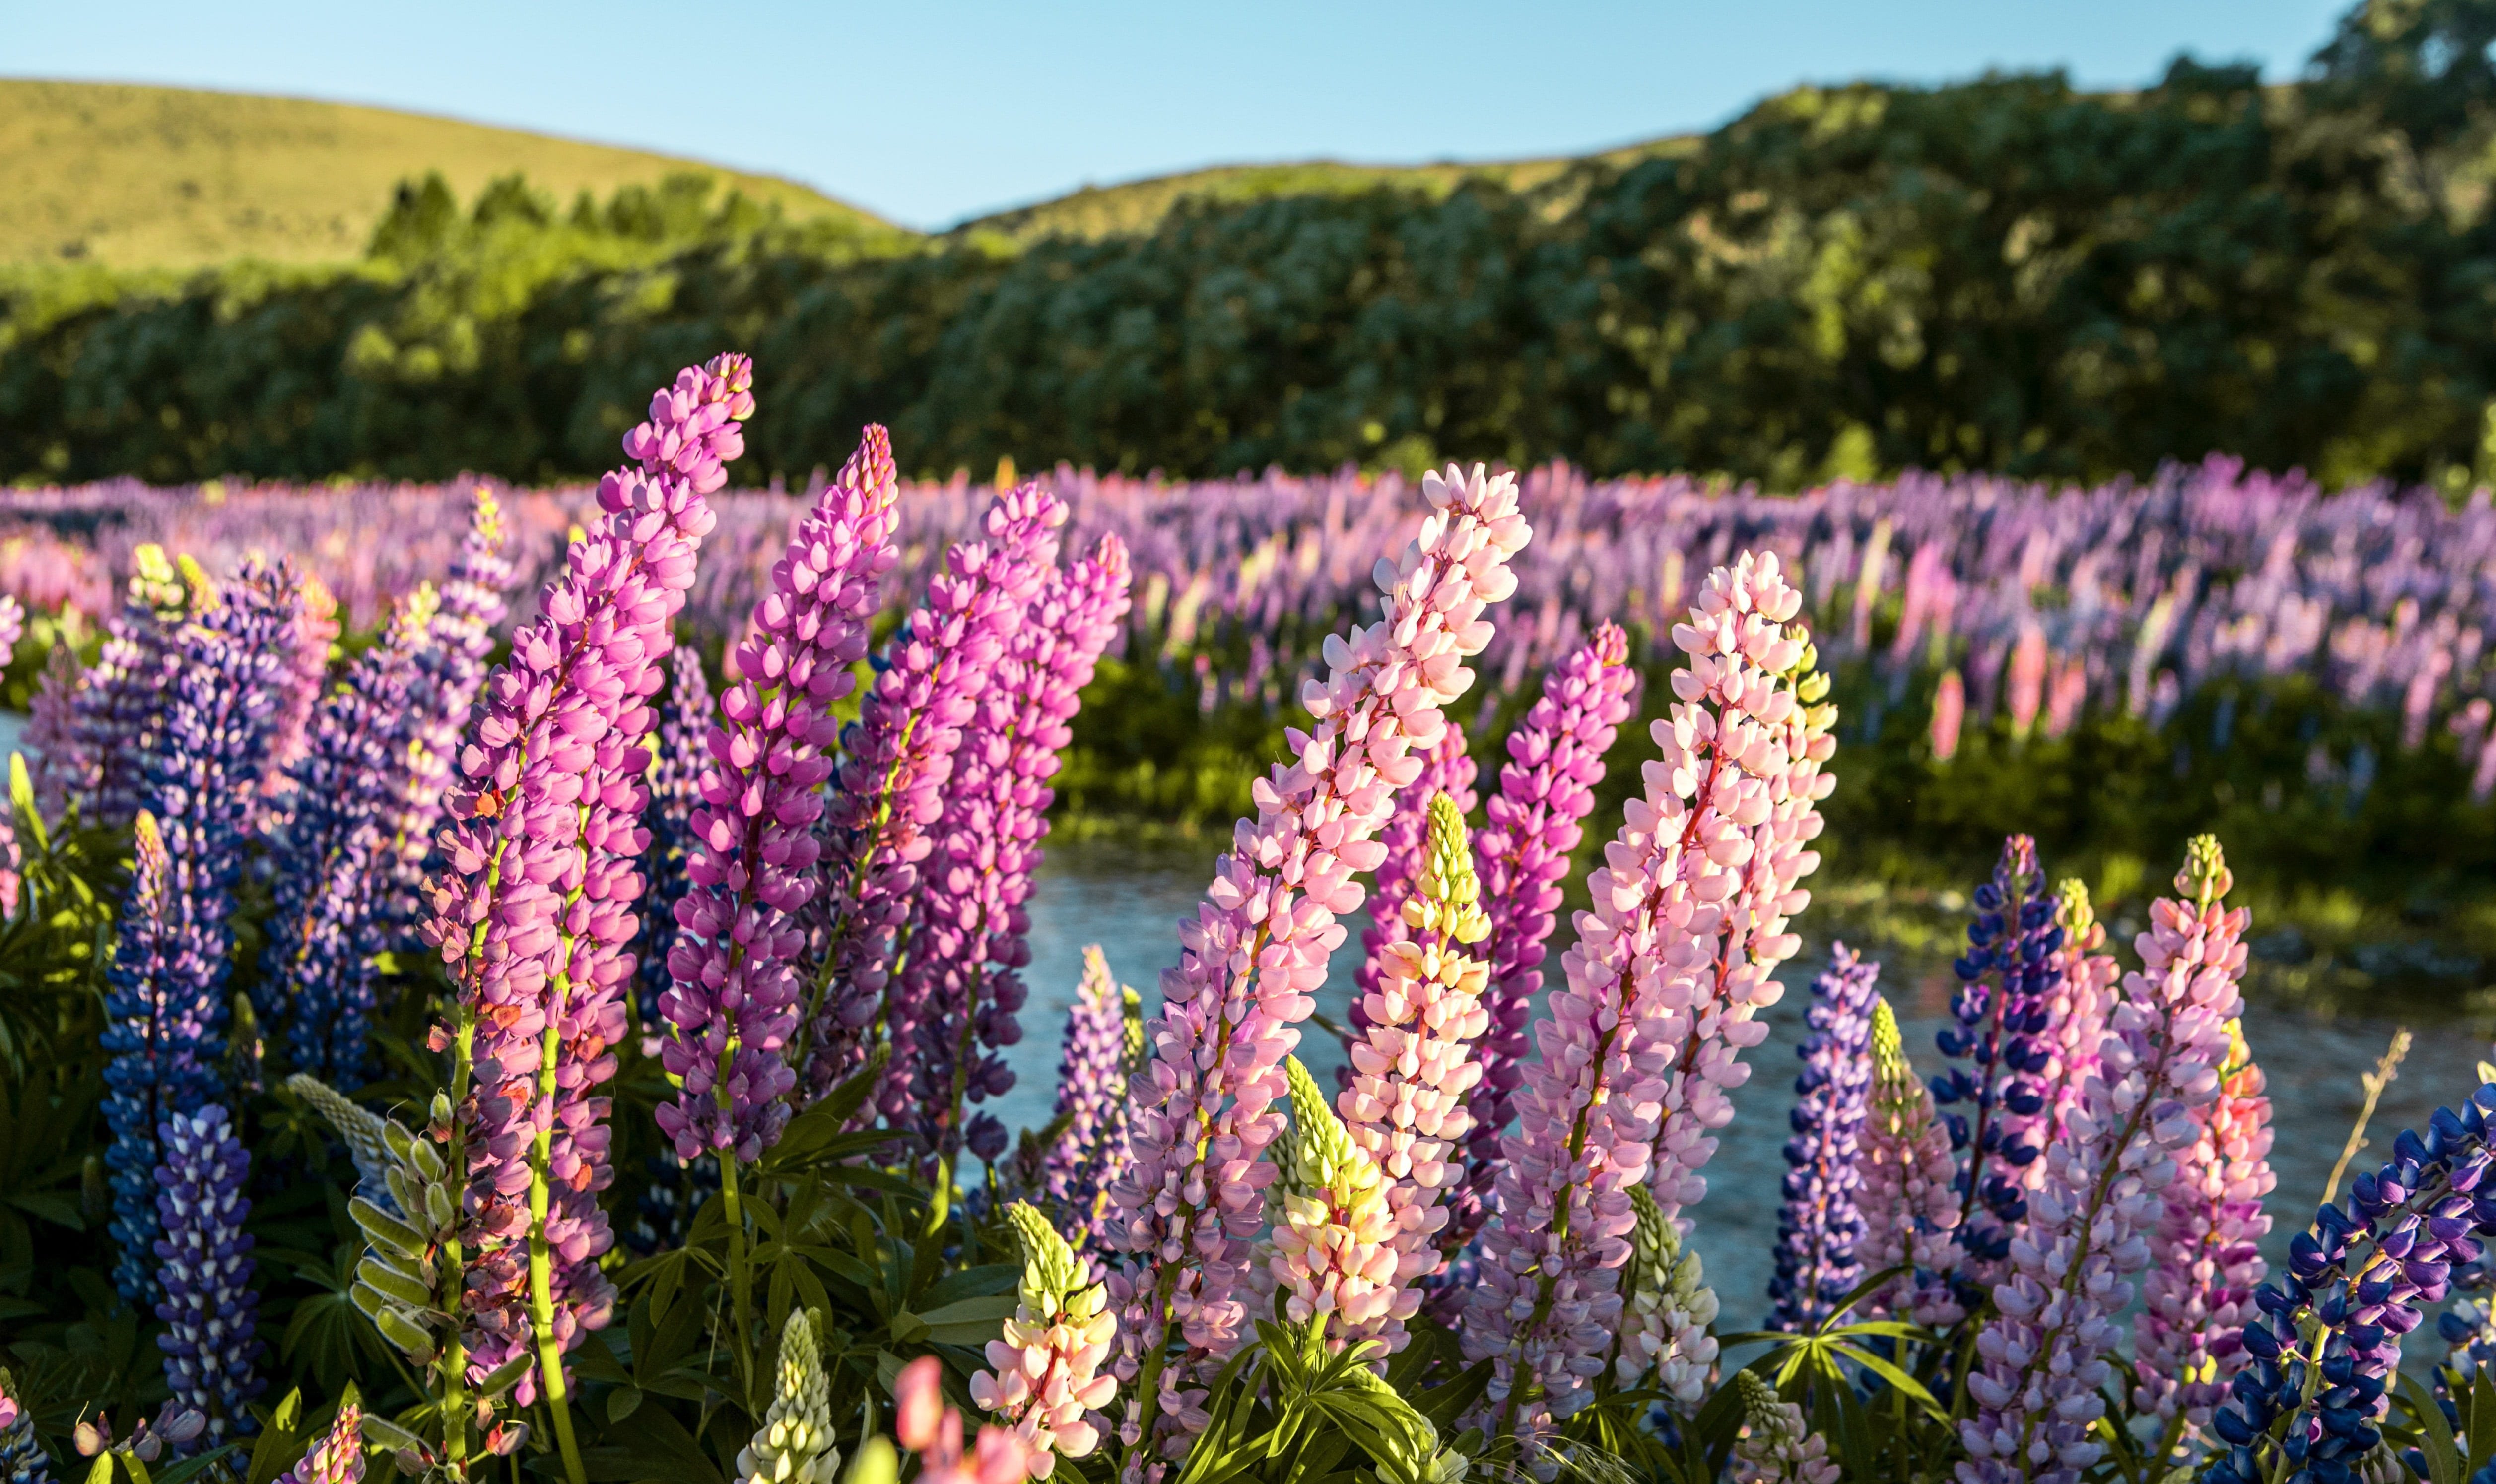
(2435, 1433)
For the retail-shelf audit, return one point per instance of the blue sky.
(931, 111)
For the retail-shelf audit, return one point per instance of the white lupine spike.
(794, 1443)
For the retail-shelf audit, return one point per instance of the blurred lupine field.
(500, 983)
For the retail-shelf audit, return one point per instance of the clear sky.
(931, 111)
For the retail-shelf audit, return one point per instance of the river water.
(1129, 897)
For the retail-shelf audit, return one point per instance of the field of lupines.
(579, 1064)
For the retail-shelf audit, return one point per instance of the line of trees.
(2008, 275)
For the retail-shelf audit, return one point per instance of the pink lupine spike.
(1202, 1116)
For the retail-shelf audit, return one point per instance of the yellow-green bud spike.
(2072, 910)
(2206, 877)
(200, 589)
(487, 519)
(1131, 1008)
(1048, 1268)
(1448, 897)
(1894, 1083)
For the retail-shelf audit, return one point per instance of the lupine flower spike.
(1545, 790)
(1908, 1195)
(1819, 1224)
(794, 1443)
(2080, 993)
(210, 1314)
(1446, 769)
(22, 1460)
(1333, 1262)
(1092, 1098)
(677, 762)
(1204, 1117)
(1996, 1103)
(2042, 1362)
(1670, 969)
(1412, 1065)
(338, 1456)
(1664, 1330)
(1048, 1385)
(1775, 1448)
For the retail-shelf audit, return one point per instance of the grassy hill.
(159, 177)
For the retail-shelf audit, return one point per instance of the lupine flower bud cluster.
(166, 997)
(2309, 1399)
(1664, 1330)
(2207, 1256)
(337, 1456)
(1908, 1192)
(2006, 978)
(212, 1316)
(1670, 969)
(2044, 1360)
(1819, 1224)
(1202, 1119)
(318, 974)
(22, 1460)
(1048, 1383)
(1775, 1447)
(1335, 1263)
(1092, 1098)
(737, 993)
(896, 761)
(1547, 788)
(547, 816)
(794, 1445)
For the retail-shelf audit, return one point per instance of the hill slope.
(160, 177)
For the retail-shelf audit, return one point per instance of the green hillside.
(160, 177)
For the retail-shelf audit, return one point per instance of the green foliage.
(2006, 274)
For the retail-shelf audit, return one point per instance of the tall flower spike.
(1545, 790)
(736, 992)
(1775, 1448)
(1664, 1329)
(1334, 1263)
(2041, 1363)
(1048, 1384)
(165, 1001)
(1092, 1099)
(1413, 1065)
(117, 708)
(2007, 978)
(452, 669)
(897, 760)
(1203, 1118)
(210, 1314)
(2080, 995)
(337, 1457)
(1909, 1195)
(1446, 769)
(22, 1460)
(533, 911)
(794, 1443)
(677, 765)
(1819, 1224)
(319, 974)
(298, 691)
(1670, 970)
(2207, 1256)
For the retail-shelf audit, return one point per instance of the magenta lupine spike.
(1092, 1096)
(736, 992)
(1446, 769)
(2080, 992)
(2042, 1361)
(2207, 1256)
(896, 761)
(1203, 1116)
(1545, 790)
(993, 840)
(1909, 1196)
(930, 1009)
(1413, 1066)
(443, 690)
(1669, 969)
(337, 1456)
(533, 908)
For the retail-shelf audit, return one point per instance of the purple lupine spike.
(1199, 1124)
(735, 994)
(61, 770)
(2080, 993)
(298, 692)
(896, 761)
(22, 1460)
(1545, 790)
(677, 765)
(1446, 769)
(443, 690)
(2007, 978)
(533, 909)
(935, 993)
(1819, 1224)
(2041, 1362)
(116, 709)
(1092, 1098)
(337, 1456)
(165, 1001)
(319, 971)
(211, 1316)
(993, 845)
